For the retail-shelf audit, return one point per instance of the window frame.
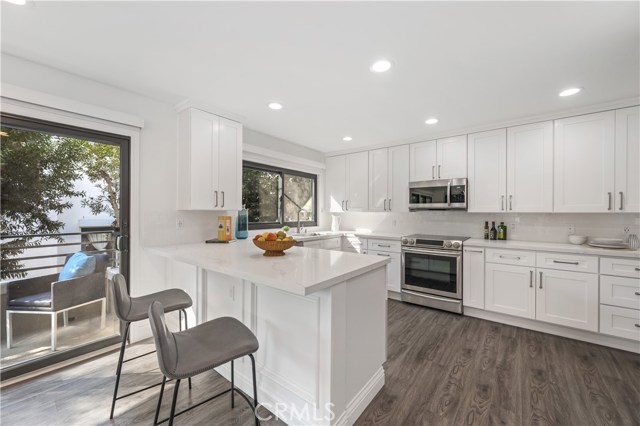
(282, 171)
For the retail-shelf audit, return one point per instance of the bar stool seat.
(130, 309)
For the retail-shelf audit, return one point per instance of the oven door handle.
(449, 193)
(438, 252)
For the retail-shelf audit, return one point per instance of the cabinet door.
(487, 158)
(567, 298)
(510, 290)
(452, 157)
(627, 178)
(393, 269)
(357, 182)
(530, 168)
(473, 277)
(229, 164)
(378, 179)
(584, 163)
(335, 186)
(398, 184)
(203, 136)
(422, 161)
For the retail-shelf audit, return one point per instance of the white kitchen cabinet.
(354, 244)
(627, 162)
(378, 180)
(487, 163)
(473, 277)
(620, 322)
(393, 269)
(567, 298)
(209, 161)
(347, 184)
(510, 290)
(441, 159)
(620, 291)
(530, 168)
(584, 161)
(398, 179)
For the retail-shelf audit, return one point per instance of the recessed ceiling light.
(347, 139)
(20, 2)
(571, 91)
(431, 121)
(275, 105)
(382, 65)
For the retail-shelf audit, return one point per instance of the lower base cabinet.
(510, 290)
(620, 322)
(393, 269)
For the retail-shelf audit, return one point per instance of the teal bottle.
(242, 224)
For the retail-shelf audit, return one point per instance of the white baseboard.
(394, 295)
(557, 330)
(362, 399)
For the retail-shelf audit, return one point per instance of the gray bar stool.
(130, 309)
(199, 349)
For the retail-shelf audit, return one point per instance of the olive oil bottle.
(502, 231)
(493, 234)
(486, 230)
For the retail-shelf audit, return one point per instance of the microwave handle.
(449, 193)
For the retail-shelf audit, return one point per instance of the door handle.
(510, 202)
(638, 269)
(216, 192)
(439, 166)
(540, 279)
(433, 172)
(566, 263)
(637, 293)
(222, 199)
(609, 208)
(621, 200)
(121, 243)
(502, 202)
(531, 279)
(346, 204)
(389, 204)
(385, 204)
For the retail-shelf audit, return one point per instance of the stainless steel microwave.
(445, 194)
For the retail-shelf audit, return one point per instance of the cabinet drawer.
(620, 291)
(332, 243)
(620, 322)
(567, 262)
(511, 257)
(620, 267)
(384, 245)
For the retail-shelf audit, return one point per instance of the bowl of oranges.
(274, 243)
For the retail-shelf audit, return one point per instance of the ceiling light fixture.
(431, 121)
(570, 92)
(382, 65)
(275, 105)
(18, 2)
(347, 139)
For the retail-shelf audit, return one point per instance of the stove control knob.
(456, 245)
(447, 244)
(412, 241)
(405, 241)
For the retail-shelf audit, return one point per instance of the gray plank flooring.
(442, 369)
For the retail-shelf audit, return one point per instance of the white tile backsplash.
(547, 227)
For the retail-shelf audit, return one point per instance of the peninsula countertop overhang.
(301, 271)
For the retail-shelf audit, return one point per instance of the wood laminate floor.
(442, 369)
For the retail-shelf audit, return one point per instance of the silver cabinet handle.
(510, 202)
(637, 293)
(638, 269)
(472, 251)
(609, 208)
(439, 166)
(637, 325)
(502, 202)
(222, 199)
(433, 172)
(389, 204)
(381, 254)
(531, 279)
(342, 204)
(384, 245)
(621, 200)
(566, 263)
(509, 257)
(385, 204)
(216, 192)
(346, 204)
(540, 279)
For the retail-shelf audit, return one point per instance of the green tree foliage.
(37, 174)
(101, 164)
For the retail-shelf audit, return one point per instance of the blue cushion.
(78, 265)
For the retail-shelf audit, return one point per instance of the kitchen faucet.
(300, 227)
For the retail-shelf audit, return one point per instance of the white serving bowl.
(577, 239)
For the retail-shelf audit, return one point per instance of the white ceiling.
(466, 63)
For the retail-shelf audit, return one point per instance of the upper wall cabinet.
(441, 159)
(347, 184)
(209, 161)
(389, 179)
(627, 163)
(487, 159)
(584, 163)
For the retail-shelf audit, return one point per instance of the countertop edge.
(552, 247)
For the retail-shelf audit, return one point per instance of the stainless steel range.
(432, 271)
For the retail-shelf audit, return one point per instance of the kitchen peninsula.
(319, 315)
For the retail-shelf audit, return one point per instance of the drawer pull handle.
(387, 255)
(473, 251)
(383, 245)
(566, 263)
(638, 269)
(540, 279)
(509, 257)
(609, 208)
(637, 325)
(637, 293)
(216, 194)
(531, 279)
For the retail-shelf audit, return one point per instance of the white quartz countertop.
(322, 235)
(301, 270)
(553, 247)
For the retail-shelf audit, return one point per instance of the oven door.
(435, 272)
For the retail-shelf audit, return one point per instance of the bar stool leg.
(164, 381)
(255, 389)
(119, 369)
(173, 404)
(186, 326)
(233, 387)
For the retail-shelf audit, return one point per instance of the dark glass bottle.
(493, 234)
(486, 230)
(502, 231)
